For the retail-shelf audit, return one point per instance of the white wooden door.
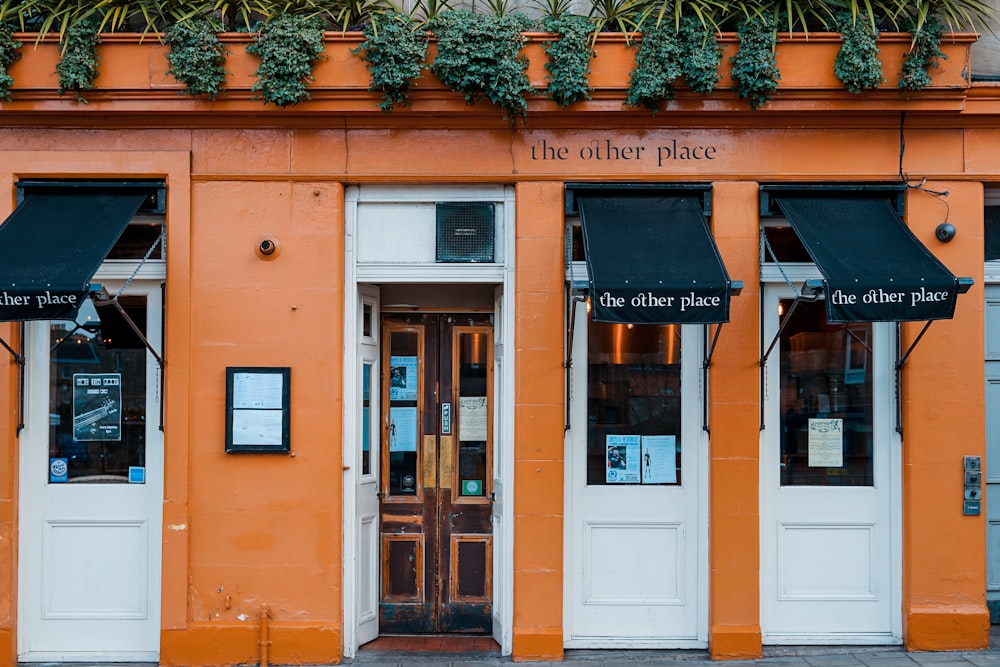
(91, 483)
(503, 420)
(367, 581)
(636, 552)
(830, 471)
(992, 461)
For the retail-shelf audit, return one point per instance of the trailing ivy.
(480, 56)
(197, 57)
(394, 50)
(9, 54)
(924, 54)
(702, 55)
(657, 66)
(569, 59)
(858, 65)
(755, 69)
(78, 66)
(288, 47)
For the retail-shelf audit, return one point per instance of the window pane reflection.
(633, 404)
(97, 396)
(404, 422)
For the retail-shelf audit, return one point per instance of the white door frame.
(147, 280)
(695, 444)
(775, 283)
(498, 274)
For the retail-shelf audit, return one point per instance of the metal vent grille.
(465, 231)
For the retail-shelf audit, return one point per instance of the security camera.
(945, 232)
(267, 246)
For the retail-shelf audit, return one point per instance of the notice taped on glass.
(622, 458)
(97, 406)
(826, 443)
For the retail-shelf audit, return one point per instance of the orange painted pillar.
(539, 405)
(944, 551)
(734, 421)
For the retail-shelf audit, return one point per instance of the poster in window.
(97, 406)
(403, 378)
(472, 418)
(826, 443)
(622, 458)
(402, 429)
(659, 459)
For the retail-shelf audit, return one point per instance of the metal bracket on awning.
(18, 357)
(101, 298)
(812, 290)
(568, 365)
(735, 288)
(964, 284)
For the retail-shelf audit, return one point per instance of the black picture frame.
(258, 409)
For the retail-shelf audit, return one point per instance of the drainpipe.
(265, 614)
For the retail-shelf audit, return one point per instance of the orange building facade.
(473, 495)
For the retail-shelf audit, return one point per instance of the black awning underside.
(651, 259)
(874, 268)
(53, 243)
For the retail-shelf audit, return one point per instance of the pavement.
(776, 656)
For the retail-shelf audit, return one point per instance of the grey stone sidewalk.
(812, 656)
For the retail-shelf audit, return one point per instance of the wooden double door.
(437, 462)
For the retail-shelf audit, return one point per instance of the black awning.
(652, 259)
(53, 243)
(874, 268)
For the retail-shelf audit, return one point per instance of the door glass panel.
(826, 399)
(404, 418)
(97, 396)
(366, 418)
(473, 411)
(633, 404)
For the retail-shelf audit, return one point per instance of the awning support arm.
(568, 365)
(107, 301)
(815, 293)
(704, 375)
(18, 358)
(900, 362)
(811, 291)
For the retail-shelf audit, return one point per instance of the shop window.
(633, 404)
(97, 393)
(991, 215)
(826, 396)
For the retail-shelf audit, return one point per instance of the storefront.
(600, 380)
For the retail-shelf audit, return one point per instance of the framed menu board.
(257, 409)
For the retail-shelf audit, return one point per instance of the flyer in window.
(97, 406)
(403, 379)
(622, 459)
(472, 418)
(402, 429)
(659, 459)
(826, 443)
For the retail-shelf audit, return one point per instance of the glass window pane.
(633, 404)
(992, 230)
(367, 316)
(97, 395)
(826, 399)
(366, 419)
(473, 413)
(404, 417)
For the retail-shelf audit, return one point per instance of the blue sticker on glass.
(136, 475)
(58, 470)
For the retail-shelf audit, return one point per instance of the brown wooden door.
(437, 458)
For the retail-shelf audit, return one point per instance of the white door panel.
(367, 580)
(92, 591)
(636, 553)
(829, 563)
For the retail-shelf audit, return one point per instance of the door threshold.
(434, 643)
